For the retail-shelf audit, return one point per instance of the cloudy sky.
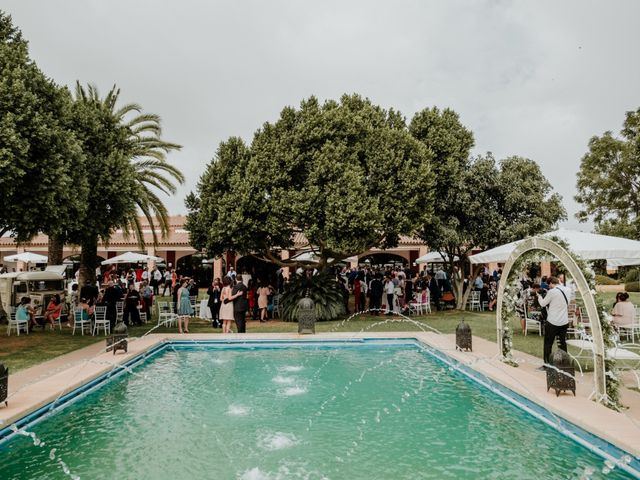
(535, 78)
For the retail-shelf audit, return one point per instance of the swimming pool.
(269, 410)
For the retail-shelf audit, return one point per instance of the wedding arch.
(549, 246)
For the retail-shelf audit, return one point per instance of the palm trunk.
(88, 261)
(56, 245)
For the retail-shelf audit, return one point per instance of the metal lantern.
(463, 336)
(118, 341)
(561, 376)
(306, 316)
(4, 384)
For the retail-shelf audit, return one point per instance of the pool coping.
(607, 433)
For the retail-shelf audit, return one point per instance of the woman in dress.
(53, 311)
(226, 309)
(184, 307)
(263, 301)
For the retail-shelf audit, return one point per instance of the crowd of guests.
(393, 289)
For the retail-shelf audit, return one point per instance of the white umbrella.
(26, 257)
(590, 246)
(435, 257)
(131, 257)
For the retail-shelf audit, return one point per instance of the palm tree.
(135, 137)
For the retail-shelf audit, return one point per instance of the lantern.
(4, 384)
(463, 336)
(561, 376)
(306, 316)
(118, 341)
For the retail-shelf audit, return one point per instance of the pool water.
(384, 412)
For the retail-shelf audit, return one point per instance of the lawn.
(28, 350)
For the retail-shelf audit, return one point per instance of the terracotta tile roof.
(178, 237)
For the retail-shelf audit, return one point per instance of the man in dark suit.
(240, 305)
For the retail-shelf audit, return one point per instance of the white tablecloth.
(205, 311)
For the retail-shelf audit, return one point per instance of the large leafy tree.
(126, 164)
(346, 175)
(609, 181)
(39, 155)
(494, 203)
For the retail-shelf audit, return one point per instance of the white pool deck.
(37, 386)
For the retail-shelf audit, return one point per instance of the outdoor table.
(205, 311)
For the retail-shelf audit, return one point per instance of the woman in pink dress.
(226, 307)
(263, 301)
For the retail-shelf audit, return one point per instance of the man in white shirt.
(557, 303)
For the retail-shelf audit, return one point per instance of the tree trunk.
(88, 262)
(56, 245)
(465, 297)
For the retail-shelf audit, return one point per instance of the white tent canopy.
(615, 263)
(27, 257)
(590, 246)
(131, 257)
(434, 257)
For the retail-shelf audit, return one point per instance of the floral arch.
(546, 245)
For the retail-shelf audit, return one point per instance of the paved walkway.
(34, 387)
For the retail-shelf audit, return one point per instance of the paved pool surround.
(69, 376)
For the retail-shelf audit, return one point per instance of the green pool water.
(389, 412)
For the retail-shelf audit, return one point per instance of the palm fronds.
(323, 289)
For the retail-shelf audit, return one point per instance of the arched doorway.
(72, 264)
(258, 269)
(563, 256)
(384, 260)
(194, 266)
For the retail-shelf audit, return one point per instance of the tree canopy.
(347, 175)
(609, 181)
(39, 154)
(494, 203)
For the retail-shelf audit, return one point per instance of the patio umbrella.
(590, 246)
(131, 257)
(26, 257)
(434, 257)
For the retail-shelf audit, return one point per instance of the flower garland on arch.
(511, 298)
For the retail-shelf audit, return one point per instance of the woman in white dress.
(226, 308)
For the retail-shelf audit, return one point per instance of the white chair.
(101, 321)
(119, 311)
(80, 322)
(166, 316)
(143, 317)
(194, 305)
(17, 324)
(531, 322)
(474, 301)
(276, 306)
(627, 356)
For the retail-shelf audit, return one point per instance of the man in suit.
(240, 305)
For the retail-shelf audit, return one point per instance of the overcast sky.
(535, 78)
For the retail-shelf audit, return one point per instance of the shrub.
(604, 280)
(631, 276)
(632, 287)
(323, 289)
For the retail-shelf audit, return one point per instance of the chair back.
(120, 307)
(193, 299)
(77, 315)
(101, 314)
(12, 313)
